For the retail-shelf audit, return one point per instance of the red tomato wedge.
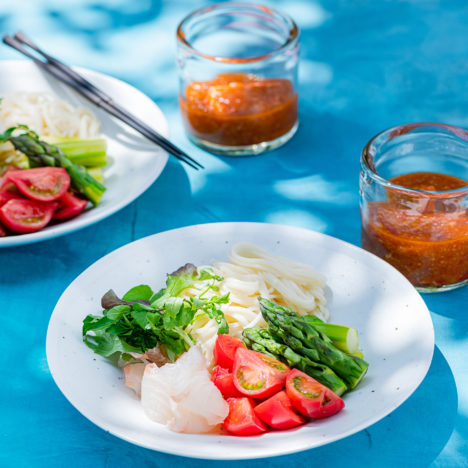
(311, 398)
(9, 169)
(278, 412)
(242, 419)
(23, 215)
(225, 349)
(42, 183)
(257, 375)
(8, 191)
(69, 206)
(222, 378)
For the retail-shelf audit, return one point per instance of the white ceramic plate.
(396, 335)
(134, 162)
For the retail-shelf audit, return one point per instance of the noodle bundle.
(252, 272)
(48, 115)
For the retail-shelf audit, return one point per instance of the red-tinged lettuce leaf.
(110, 300)
(183, 278)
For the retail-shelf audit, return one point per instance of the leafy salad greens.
(142, 319)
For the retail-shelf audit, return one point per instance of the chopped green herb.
(139, 293)
(143, 319)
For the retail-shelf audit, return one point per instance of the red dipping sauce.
(424, 236)
(239, 109)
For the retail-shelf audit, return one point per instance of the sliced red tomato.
(9, 169)
(242, 419)
(69, 206)
(311, 398)
(225, 349)
(257, 375)
(8, 191)
(23, 215)
(278, 412)
(41, 183)
(222, 378)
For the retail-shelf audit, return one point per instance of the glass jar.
(238, 77)
(414, 203)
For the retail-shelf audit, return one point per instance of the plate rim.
(250, 456)
(62, 229)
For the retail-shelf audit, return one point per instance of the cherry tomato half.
(311, 398)
(278, 412)
(42, 183)
(8, 189)
(242, 419)
(225, 349)
(222, 378)
(257, 375)
(69, 206)
(23, 215)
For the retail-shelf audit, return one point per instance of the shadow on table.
(305, 183)
(95, 20)
(452, 306)
(413, 435)
(445, 304)
(63, 258)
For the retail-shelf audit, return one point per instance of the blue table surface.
(365, 65)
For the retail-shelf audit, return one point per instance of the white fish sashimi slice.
(192, 361)
(182, 396)
(201, 409)
(155, 394)
(133, 374)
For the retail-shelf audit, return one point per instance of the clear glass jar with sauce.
(414, 203)
(238, 77)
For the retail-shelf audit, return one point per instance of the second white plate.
(396, 335)
(134, 162)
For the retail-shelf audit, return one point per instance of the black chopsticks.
(65, 74)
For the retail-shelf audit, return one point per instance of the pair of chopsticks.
(65, 74)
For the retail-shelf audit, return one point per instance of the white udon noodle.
(252, 272)
(48, 115)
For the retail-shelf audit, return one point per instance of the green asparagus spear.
(261, 349)
(288, 339)
(89, 152)
(343, 337)
(96, 173)
(263, 340)
(314, 343)
(41, 153)
(277, 310)
(352, 369)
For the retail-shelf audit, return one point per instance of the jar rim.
(368, 166)
(291, 40)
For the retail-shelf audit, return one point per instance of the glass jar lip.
(368, 167)
(291, 39)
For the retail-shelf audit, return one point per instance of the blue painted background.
(365, 65)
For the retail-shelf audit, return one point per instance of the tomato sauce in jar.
(424, 236)
(239, 109)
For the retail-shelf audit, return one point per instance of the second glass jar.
(414, 203)
(238, 77)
